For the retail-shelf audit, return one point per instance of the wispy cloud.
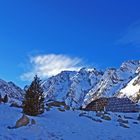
(50, 64)
(131, 35)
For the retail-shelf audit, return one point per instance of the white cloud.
(51, 64)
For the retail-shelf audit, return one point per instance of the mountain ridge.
(79, 88)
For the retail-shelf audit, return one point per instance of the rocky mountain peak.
(130, 65)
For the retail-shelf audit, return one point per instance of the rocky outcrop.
(23, 121)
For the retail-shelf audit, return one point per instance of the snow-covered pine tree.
(33, 103)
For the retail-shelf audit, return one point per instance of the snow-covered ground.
(56, 125)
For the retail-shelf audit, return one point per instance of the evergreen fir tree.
(33, 103)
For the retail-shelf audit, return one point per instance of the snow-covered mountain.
(13, 91)
(80, 88)
(56, 87)
(81, 83)
(71, 87)
(113, 81)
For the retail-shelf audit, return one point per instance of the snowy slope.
(13, 91)
(81, 83)
(132, 90)
(56, 87)
(55, 125)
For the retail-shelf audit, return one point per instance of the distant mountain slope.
(12, 90)
(56, 87)
(81, 83)
(71, 87)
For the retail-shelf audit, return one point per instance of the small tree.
(0, 98)
(33, 103)
(5, 99)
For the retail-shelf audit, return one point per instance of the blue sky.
(36, 35)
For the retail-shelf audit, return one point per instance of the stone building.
(113, 104)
